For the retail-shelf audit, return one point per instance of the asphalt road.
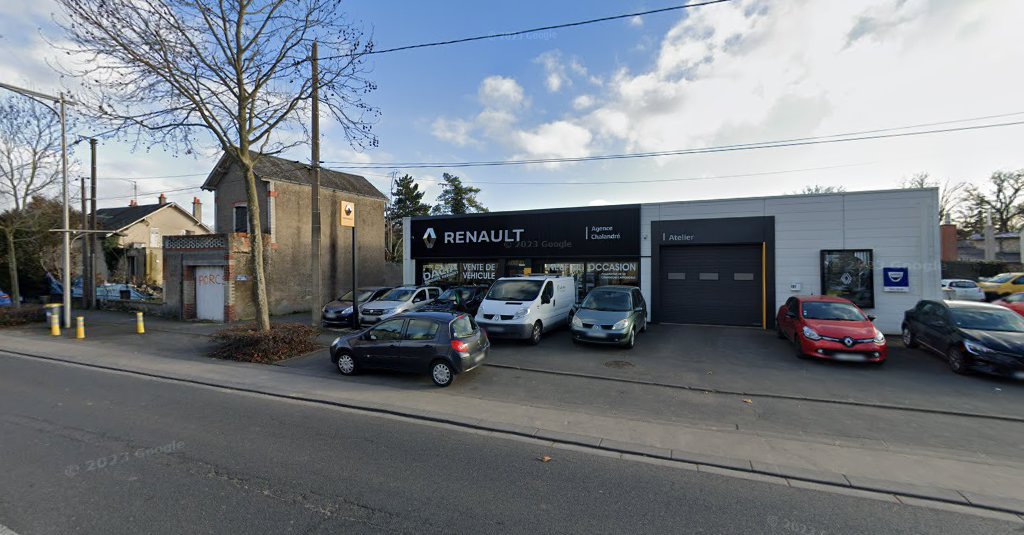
(77, 454)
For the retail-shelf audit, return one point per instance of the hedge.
(246, 343)
(11, 316)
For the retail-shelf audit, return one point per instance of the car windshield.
(605, 300)
(450, 293)
(832, 312)
(363, 296)
(1003, 277)
(515, 290)
(398, 294)
(988, 320)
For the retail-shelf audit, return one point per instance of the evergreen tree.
(457, 198)
(406, 201)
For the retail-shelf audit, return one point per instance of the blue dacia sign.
(895, 279)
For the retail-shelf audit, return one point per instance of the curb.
(682, 459)
(999, 417)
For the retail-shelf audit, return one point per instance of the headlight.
(522, 313)
(879, 337)
(810, 334)
(576, 321)
(619, 325)
(976, 348)
(347, 310)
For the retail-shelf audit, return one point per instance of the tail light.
(460, 347)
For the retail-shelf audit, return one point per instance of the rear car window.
(420, 330)
(963, 284)
(463, 326)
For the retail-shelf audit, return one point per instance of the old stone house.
(212, 276)
(139, 231)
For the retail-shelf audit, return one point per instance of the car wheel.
(908, 337)
(957, 361)
(798, 347)
(441, 373)
(631, 341)
(778, 331)
(536, 333)
(643, 327)
(346, 364)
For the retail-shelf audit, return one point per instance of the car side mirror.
(871, 317)
(790, 315)
(369, 336)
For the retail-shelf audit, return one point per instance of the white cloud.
(499, 92)
(598, 202)
(636, 21)
(455, 131)
(554, 70)
(583, 102)
(558, 139)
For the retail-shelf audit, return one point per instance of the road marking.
(4, 530)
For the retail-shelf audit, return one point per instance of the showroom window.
(435, 273)
(849, 273)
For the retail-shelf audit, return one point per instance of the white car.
(525, 307)
(396, 301)
(962, 290)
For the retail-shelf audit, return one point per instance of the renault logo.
(848, 342)
(429, 238)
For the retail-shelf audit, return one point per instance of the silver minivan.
(610, 315)
(398, 300)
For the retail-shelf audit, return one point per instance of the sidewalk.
(794, 460)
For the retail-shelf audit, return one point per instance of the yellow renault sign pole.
(347, 214)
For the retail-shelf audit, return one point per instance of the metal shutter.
(711, 284)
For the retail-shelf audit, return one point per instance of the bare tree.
(951, 194)
(1004, 198)
(818, 189)
(29, 166)
(163, 70)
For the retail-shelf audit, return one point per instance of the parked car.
(5, 300)
(970, 336)
(610, 315)
(1003, 285)
(442, 344)
(832, 328)
(459, 299)
(338, 313)
(1013, 302)
(963, 289)
(526, 307)
(398, 300)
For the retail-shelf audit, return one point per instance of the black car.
(442, 344)
(338, 313)
(971, 336)
(458, 299)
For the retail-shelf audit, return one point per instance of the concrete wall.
(286, 207)
(898, 225)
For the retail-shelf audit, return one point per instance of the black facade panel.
(560, 233)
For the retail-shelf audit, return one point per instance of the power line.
(148, 193)
(152, 177)
(817, 140)
(533, 30)
(585, 182)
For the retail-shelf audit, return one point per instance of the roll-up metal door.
(711, 284)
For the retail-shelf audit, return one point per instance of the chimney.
(163, 199)
(133, 203)
(197, 209)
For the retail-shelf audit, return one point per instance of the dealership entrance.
(713, 271)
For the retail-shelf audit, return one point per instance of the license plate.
(495, 329)
(598, 335)
(849, 357)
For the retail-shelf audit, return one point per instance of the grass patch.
(246, 343)
(11, 316)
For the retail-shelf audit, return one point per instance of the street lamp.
(61, 102)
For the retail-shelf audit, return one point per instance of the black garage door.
(711, 284)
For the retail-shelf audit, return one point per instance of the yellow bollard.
(140, 327)
(80, 328)
(54, 324)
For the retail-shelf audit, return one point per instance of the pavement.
(968, 456)
(92, 451)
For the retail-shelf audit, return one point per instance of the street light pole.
(38, 97)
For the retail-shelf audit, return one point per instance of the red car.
(1013, 302)
(830, 328)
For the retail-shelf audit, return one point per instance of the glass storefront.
(588, 274)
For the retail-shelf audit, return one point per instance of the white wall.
(408, 266)
(900, 226)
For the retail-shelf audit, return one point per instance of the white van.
(527, 306)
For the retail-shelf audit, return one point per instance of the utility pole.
(93, 245)
(315, 271)
(85, 245)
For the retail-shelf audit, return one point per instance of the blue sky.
(734, 73)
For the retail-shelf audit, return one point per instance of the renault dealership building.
(716, 262)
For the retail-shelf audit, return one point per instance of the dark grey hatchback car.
(442, 344)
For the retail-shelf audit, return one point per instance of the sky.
(741, 72)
